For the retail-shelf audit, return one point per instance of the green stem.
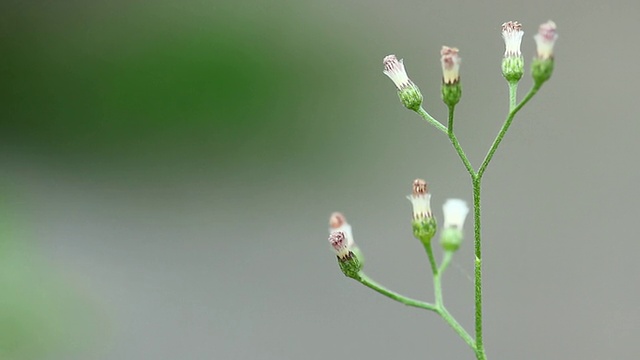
(432, 259)
(437, 290)
(478, 267)
(425, 115)
(437, 278)
(456, 144)
(458, 329)
(513, 95)
(476, 176)
(512, 113)
(439, 309)
(477, 185)
(446, 260)
(442, 311)
(367, 281)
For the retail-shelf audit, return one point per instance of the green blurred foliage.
(40, 313)
(103, 83)
(165, 80)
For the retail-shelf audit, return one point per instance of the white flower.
(421, 200)
(450, 65)
(545, 39)
(394, 69)
(512, 35)
(455, 212)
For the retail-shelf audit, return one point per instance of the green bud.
(513, 68)
(349, 256)
(451, 93)
(424, 229)
(451, 239)
(351, 265)
(541, 70)
(411, 97)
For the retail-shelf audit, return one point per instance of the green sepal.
(451, 93)
(541, 70)
(451, 239)
(351, 264)
(424, 229)
(411, 97)
(513, 68)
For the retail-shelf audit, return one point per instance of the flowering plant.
(424, 225)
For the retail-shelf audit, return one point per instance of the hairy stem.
(512, 113)
(476, 177)
(477, 217)
(456, 143)
(513, 95)
(478, 266)
(430, 119)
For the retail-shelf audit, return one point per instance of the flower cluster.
(455, 211)
(512, 65)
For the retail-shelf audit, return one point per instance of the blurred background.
(167, 170)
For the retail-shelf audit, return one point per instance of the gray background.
(210, 242)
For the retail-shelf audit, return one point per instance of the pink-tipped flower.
(350, 258)
(420, 200)
(450, 65)
(545, 39)
(394, 69)
(409, 93)
(451, 88)
(542, 66)
(340, 244)
(337, 222)
(423, 223)
(512, 34)
(512, 63)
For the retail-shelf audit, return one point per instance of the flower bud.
(408, 92)
(451, 89)
(455, 212)
(545, 40)
(513, 63)
(348, 260)
(423, 223)
(542, 66)
(349, 257)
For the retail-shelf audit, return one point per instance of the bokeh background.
(168, 169)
